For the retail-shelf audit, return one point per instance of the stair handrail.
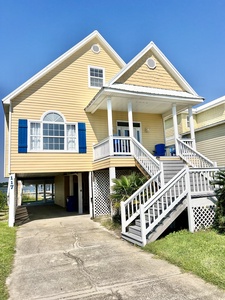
(130, 207)
(161, 197)
(152, 165)
(189, 154)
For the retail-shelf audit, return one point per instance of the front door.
(123, 129)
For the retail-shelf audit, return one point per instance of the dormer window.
(96, 77)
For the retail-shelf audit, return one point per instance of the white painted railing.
(163, 202)
(200, 181)
(130, 207)
(193, 157)
(188, 142)
(113, 145)
(150, 164)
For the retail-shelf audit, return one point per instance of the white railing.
(130, 207)
(150, 164)
(188, 142)
(113, 145)
(193, 157)
(200, 181)
(163, 202)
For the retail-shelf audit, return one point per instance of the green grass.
(202, 253)
(7, 246)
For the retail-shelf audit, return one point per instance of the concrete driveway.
(63, 256)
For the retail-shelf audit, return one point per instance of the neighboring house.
(87, 118)
(209, 124)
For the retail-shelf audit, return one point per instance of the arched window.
(52, 133)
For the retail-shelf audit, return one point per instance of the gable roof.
(165, 62)
(60, 59)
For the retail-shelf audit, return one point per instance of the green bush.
(123, 188)
(219, 183)
(3, 200)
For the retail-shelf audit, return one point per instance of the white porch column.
(112, 174)
(130, 119)
(109, 114)
(192, 129)
(90, 186)
(80, 194)
(11, 200)
(175, 127)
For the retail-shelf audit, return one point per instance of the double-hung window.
(96, 77)
(52, 133)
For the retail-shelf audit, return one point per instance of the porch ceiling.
(144, 99)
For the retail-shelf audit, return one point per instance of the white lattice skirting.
(203, 212)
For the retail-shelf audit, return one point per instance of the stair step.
(132, 238)
(21, 216)
(134, 229)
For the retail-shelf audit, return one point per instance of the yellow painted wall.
(140, 74)
(60, 196)
(211, 116)
(65, 89)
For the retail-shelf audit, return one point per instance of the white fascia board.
(59, 60)
(210, 104)
(157, 52)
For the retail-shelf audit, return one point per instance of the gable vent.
(95, 48)
(151, 63)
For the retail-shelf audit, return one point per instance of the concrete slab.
(65, 256)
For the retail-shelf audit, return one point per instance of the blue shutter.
(82, 137)
(22, 136)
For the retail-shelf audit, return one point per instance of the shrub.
(123, 188)
(3, 200)
(219, 183)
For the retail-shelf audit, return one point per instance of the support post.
(131, 127)
(175, 127)
(109, 114)
(143, 225)
(192, 129)
(11, 200)
(90, 185)
(80, 194)
(191, 224)
(123, 217)
(112, 174)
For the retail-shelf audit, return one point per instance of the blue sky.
(191, 33)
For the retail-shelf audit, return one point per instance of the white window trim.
(188, 121)
(76, 150)
(89, 77)
(118, 127)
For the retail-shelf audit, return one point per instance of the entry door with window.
(123, 129)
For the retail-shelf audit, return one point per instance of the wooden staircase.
(171, 166)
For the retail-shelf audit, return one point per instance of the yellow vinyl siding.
(6, 144)
(211, 116)
(211, 143)
(140, 74)
(65, 89)
(121, 161)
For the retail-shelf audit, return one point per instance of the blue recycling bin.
(160, 150)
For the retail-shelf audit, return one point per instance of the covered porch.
(144, 108)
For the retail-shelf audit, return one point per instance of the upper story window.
(96, 77)
(52, 133)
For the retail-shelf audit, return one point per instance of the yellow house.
(89, 117)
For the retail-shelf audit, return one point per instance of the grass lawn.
(202, 253)
(7, 245)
